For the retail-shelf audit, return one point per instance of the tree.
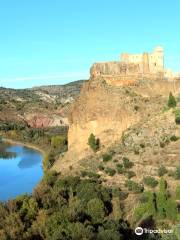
(171, 101)
(109, 234)
(161, 198)
(171, 209)
(14, 226)
(93, 142)
(95, 209)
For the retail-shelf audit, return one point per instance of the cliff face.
(102, 110)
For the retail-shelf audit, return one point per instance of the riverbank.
(26, 145)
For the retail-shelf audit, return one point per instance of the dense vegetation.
(65, 208)
(159, 204)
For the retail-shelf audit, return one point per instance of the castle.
(133, 67)
(147, 62)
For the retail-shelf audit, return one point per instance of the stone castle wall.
(148, 62)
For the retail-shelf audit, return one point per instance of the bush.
(177, 116)
(150, 181)
(171, 209)
(171, 101)
(93, 142)
(95, 209)
(117, 192)
(173, 138)
(177, 173)
(127, 163)
(106, 157)
(90, 174)
(48, 161)
(161, 171)
(178, 192)
(58, 141)
(120, 168)
(110, 171)
(101, 167)
(134, 187)
(50, 177)
(162, 144)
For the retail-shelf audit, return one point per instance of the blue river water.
(19, 174)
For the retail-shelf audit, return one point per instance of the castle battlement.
(133, 67)
(148, 62)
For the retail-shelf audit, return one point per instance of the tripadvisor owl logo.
(139, 231)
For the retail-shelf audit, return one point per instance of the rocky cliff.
(107, 108)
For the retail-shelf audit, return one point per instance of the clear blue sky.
(56, 41)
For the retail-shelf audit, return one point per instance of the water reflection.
(29, 158)
(21, 173)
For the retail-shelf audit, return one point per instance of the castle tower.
(145, 62)
(159, 55)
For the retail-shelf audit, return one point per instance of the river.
(20, 170)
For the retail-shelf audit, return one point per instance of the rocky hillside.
(128, 138)
(40, 106)
(107, 110)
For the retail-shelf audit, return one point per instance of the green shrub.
(162, 144)
(101, 167)
(150, 181)
(58, 141)
(178, 192)
(177, 116)
(95, 209)
(48, 161)
(90, 174)
(171, 209)
(161, 171)
(127, 163)
(142, 145)
(177, 173)
(50, 177)
(133, 186)
(173, 138)
(171, 101)
(106, 157)
(120, 168)
(117, 192)
(93, 142)
(136, 108)
(110, 171)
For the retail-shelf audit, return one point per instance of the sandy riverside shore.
(24, 144)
